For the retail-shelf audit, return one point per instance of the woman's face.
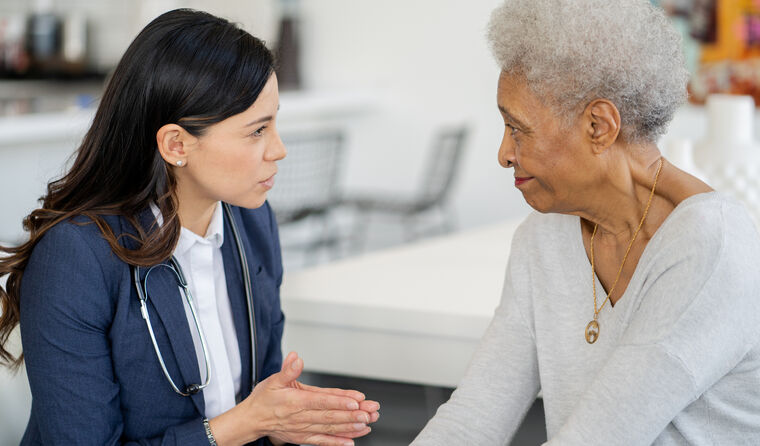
(235, 159)
(544, 151)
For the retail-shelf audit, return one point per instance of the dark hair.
(185, 67)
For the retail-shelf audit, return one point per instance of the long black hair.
(185, 67)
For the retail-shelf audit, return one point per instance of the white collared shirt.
(201, 262)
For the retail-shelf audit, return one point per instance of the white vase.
(729, 156)
(680, 152)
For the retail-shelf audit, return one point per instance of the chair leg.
(448, 220)
(313, 248)
(310, 252)
(332, 237)
(410, 227)
(359, 233)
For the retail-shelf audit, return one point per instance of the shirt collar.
(215, 231)
(187, 238)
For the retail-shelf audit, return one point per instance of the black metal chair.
(437, 180)
(307, 185)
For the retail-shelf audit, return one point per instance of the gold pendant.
(592, 332)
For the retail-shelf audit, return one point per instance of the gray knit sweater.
(678, 357)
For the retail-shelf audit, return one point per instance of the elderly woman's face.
(541, 147)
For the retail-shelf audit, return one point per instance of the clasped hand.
(288, 411)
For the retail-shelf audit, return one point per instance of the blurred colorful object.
(728, 34)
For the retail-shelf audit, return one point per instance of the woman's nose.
(276, 151)
(507, 151)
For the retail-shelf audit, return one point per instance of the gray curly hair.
(574, 51)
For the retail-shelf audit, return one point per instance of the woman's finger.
(355, 434)
(358, 396)
(332, 417)
(369, 406)
(326, 440)
(288, 375)
(348, 430)
(334, 440)
(292, 356)
(305, 400)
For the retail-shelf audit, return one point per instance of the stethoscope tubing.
(142, 293)
(248, 293)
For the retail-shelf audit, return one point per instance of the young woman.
(148, 293)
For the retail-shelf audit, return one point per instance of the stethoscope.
(142, 293)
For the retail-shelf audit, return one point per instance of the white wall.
(430, 60)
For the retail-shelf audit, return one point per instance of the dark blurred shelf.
(57, 77)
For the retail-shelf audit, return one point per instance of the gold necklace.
(592, 329)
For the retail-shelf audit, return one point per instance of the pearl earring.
(179, 163)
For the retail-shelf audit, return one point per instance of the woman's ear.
(173, 144)
(603, 120)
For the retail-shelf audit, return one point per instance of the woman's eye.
(259, 131)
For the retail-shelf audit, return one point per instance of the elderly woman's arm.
(699, 318)
(499, 387)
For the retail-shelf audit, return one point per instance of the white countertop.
(392, 314)
(296, 107)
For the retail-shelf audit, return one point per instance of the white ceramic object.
(680, 152)
(729, 156)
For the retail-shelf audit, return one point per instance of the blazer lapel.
(166, 299)
(236, 291)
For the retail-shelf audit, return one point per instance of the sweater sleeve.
(698, 318)
(66, 312)
(498, 388)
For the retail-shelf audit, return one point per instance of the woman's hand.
(290, 412)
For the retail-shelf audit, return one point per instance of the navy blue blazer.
(93, 372)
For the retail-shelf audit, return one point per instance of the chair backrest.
(442, 166)
(307, 179)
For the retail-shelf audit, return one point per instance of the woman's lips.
(268, 183)
(521, 180)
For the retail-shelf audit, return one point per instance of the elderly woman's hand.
(287, 411)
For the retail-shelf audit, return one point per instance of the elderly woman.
(632, 298)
